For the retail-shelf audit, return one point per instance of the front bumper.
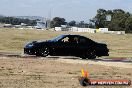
(29, 51)
(103, 53)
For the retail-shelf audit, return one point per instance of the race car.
(67, 45)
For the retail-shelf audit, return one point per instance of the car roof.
(73, 35)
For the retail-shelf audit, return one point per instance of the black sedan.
(67, 45)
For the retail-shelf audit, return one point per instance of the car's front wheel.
(43, 52)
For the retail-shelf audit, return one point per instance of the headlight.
(29, 45)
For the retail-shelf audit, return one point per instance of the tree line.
(120, 21)
(17, 21)
(57, 22)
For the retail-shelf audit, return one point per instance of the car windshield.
(57, 38)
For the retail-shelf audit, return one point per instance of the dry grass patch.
(49, 73)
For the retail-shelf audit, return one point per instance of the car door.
(69, 46)
(61, 47)
(72, 45)
(66, 46)
(83, 45)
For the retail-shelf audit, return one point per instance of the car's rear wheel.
(43, 52)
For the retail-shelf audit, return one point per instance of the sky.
(78, 10)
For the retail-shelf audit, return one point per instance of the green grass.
(13, 40)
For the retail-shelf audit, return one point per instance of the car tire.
(43, 52)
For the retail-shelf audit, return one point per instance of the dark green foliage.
(80, 24)
(17, 21)
(72, 23)
(128, 24)
(57, 22)
(121, 20)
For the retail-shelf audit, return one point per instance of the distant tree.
(128, 24)
(17, 21)
(91, 25)
(120, 20)
(82, 24)
(100, 18)
(72, 23)
(57, 22)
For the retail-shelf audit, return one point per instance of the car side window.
(66, 39)
(82, 40)
(76, 39)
